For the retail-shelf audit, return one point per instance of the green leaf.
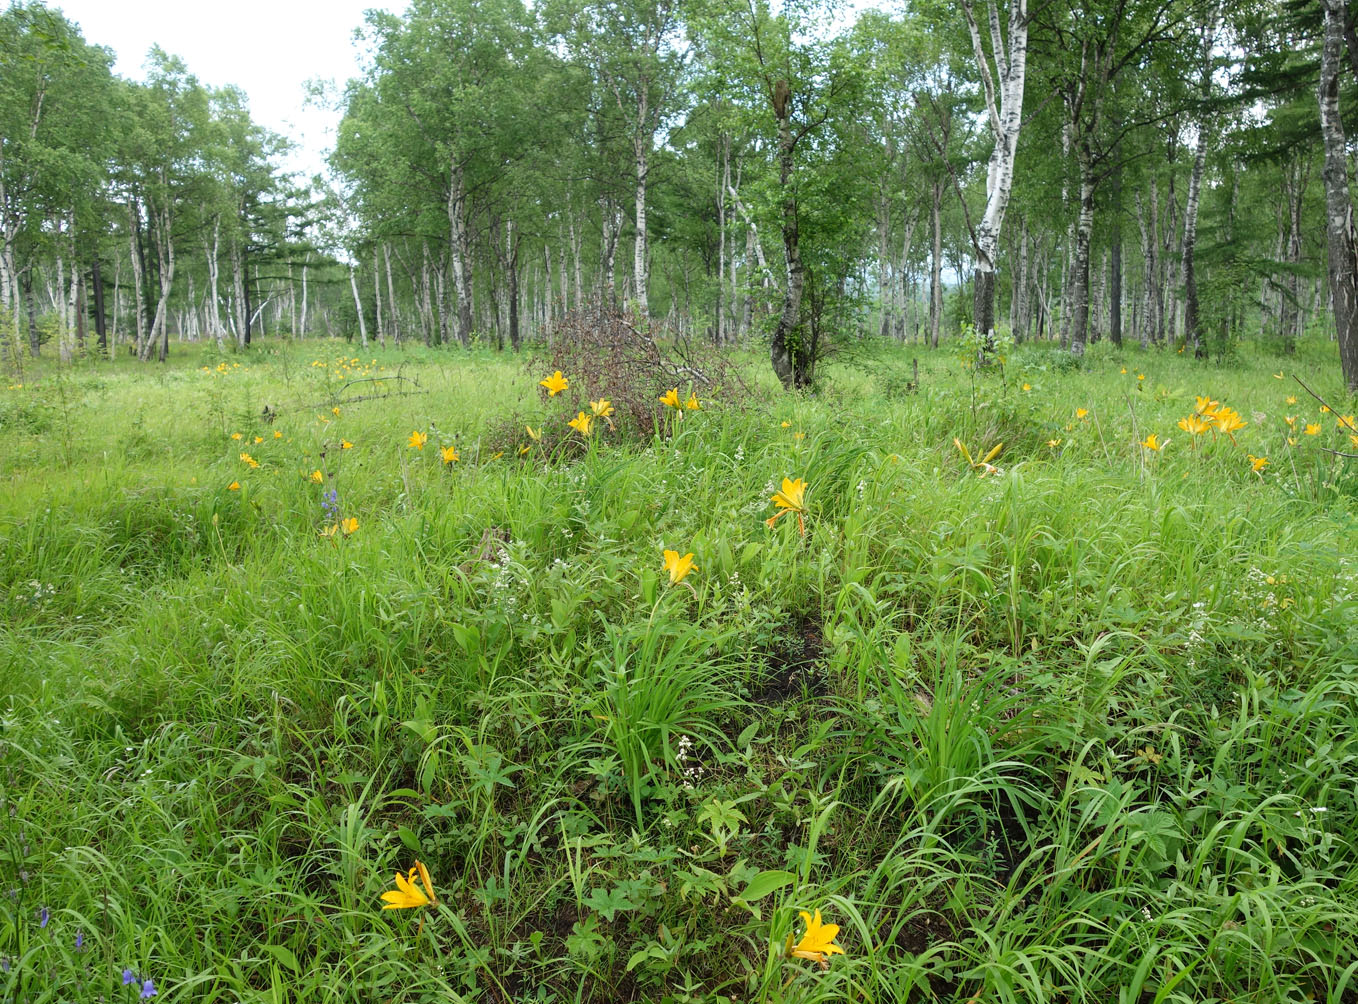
(284, 955)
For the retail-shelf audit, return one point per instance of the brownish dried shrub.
(607, 353)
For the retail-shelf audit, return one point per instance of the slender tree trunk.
(642, 150)
(1004, 103)
(936, 267)
(303, 322)
(138, 272)
(1115, 259)
(460, 251)
(1341, 240)
(358, 309)
(392, 313)
(1084, 232)
(792, 362)
(100, 322)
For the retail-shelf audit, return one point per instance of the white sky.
(267, 48)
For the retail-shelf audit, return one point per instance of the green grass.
(1081, 730)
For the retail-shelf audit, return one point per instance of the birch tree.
(1341, 238)
(1003, 93)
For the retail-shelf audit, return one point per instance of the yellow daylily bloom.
(1207, 407)
(449, 454)
(330, 531)
(1054, 443)
(1345, 422)
(671, 398)
(234, 486)
(1353, 439)
(534, 433)
(1195, 424)
(1312, 429)
(417, 440)
(601, 408)
(235, 435)
(1291, 420)
(1027, 386)
(346, 445)
(1124, 371)
(787, 425)
(581, 423)
(555, 384)
(1081, 412)
(817, 942)
(1228, 420)
(984, 465)
(349, 525)
(407, 894)
(335, 411)
(1257, 464)
(792, 498)
(1141, 376)
(317, 477)
(1291, 440)
(1291, 399)
(258, 440)
(246, 458)
(692, 404)
(278, 434)
(1278, 375)
(1152, 443)
(678, 567)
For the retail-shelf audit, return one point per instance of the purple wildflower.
(127, 977)
(148, 989)
(44, 916)
(79, 939)
(4, 963)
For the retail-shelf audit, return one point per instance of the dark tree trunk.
(100, 322)
(33, 344)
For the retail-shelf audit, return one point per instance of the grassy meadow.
(1074, 723)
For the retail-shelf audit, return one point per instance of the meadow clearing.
(1074, 722)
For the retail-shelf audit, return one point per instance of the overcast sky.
(267, 48)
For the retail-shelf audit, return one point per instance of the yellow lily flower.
(449, 454)
(417, 440)
(1291, 399)
(1312, 428)
(1278, 375)
(555, 384)
(791, 499)
(678, 567)
(407, 894)
(1257, 464)
(601, 408)
(692, 403)
(1345, 422)
(1027, 386)
(234, 486)
(1081, 412)
(1206, 407)
(581, 423)
(330, 530)
(278, 434)
(1194, 424)
(346, 445)
(1152, 443)
(349, 525)
(535, 434)
(317, 477)
(1291, 420)
(246, 458)
(1228, 420)
(671, 398)
(817, 942)
(235, 435)
(1054, 443)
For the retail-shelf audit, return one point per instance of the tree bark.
(358, 309)
(936, 267)
(1004, 104)
(460, 251)
(1084, 232)
(789, 355)
(1341, 240)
